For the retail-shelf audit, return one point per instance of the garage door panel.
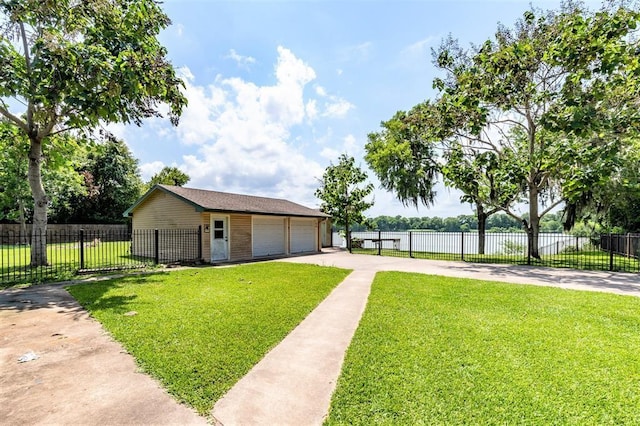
(268, 237)
(303, 235)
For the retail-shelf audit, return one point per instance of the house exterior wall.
(164, 211)
(326, 232)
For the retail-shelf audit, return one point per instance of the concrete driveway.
(81, 375)
(609, 282)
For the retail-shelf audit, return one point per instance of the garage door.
(303, 235)
(268, 236)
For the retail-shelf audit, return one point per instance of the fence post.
(379, 242)
(462, 246)
(410, 244)
(529, 244)
(577, 244)
(156, 247)
(200, 242)
(610, 252)
(82, 249)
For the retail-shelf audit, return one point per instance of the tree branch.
(4, 111)
(27, 61)
(548, 209)
(48, 127)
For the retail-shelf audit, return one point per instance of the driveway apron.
(80, 375)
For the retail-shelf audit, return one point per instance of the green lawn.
(200, 330)
(587, 260)
(439, 350)
(64, 260)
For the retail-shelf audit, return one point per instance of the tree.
(415, 147)
(111, 184)
(547, 102)
(540, 111)
(169, 176)
(403, 156)
(14, 189)
(78, 65)
(58, 173)
(342, 195)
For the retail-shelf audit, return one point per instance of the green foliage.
(87, 63)
(168, 176)
(80, 65)
(60, 178)
(457, 351)
(402, 155)
(111, 183)
(198, 331)
(510, 247)
(539, 114)
(341, 193)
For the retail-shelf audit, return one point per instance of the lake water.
(455, 242)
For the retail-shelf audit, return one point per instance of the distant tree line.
(552, 222)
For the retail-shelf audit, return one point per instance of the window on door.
(218, 229)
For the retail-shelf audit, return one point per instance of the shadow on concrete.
(54, 296)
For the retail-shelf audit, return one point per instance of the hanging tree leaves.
(71, 65)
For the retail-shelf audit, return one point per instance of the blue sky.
(278, 90)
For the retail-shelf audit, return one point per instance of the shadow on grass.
(55, 296)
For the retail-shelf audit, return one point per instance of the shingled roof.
(214, 201)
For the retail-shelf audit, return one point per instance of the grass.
(586, 260)
(64, 260)
(199, 331)
(440, 350)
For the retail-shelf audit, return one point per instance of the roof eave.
(315, 215)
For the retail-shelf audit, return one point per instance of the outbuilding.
(233, 227)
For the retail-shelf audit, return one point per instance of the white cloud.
(243, 133)
(359, 52)
(320, 91)
(147, 170)
(349, 146)
(312, 109)
(242, 61)
(337, 108)
(179, 29)
(330, 154)
(119, 130)
(418, 54)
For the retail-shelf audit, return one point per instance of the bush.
(513, 247)
(356, 243)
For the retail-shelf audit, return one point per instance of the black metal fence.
(607, 253)
(72, 253)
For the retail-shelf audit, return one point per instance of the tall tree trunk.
(40, 205)
(23, 223)
(533, 228)
(482, 225)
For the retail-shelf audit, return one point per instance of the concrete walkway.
(293, 384)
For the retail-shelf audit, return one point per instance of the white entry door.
(219, 238)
